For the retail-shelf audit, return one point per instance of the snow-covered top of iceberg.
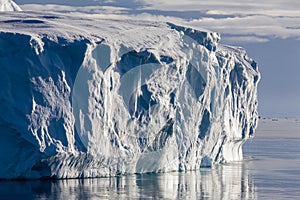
(9, 5)
(119, 29)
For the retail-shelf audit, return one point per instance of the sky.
(268, 30)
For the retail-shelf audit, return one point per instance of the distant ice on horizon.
(9, 5)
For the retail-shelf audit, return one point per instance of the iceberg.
(9, 5)
(93, 96)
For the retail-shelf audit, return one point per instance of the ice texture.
(93, 96)
(9, 5)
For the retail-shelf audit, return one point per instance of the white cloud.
(228, 5)
(257, 25)
(71, 9)
(273, 12)
(251, 20)
(236, 40)
(264, 18)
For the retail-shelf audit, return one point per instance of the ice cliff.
(91, 96)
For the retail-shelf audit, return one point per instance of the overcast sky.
(269, 30)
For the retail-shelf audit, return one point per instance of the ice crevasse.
(93, 97)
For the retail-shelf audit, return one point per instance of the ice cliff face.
(90, 97)
(8, 5)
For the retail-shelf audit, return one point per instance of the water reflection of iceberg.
(222, 182)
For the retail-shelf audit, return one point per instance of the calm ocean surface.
(271, 170)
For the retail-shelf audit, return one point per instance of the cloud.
(238, 39)
(228, 5)
(248, 20)
(72, 9)
(80, 3)
(256, 25)
(259, 19)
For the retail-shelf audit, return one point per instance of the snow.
(93, 96)
(9, 5)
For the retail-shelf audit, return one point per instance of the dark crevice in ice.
(204, 125)
(196, 81)
(162, 137)
(134, 59)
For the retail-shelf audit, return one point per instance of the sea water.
(270, 170)
(274, 159)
